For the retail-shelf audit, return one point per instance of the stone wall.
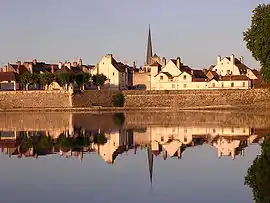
(90, 98)
(34, 99)
(141, 79)
(252, 98)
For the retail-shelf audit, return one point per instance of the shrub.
(119, 100)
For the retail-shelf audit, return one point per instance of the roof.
(8, 76)
(234, 78)
(165, 73)
(155, 56)
(242, 67)
(255, 72)
(120, 66)
(64, 69)
(198, 76)
(156, 64)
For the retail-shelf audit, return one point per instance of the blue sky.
(54, 30)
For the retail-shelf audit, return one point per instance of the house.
(120, 76)
(234, 66)
(230, 82)
(8, 81)
(174, 75)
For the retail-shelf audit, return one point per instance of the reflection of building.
(117, 143)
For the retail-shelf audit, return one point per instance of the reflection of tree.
(119, 119)
(258, 175)
(100, 139)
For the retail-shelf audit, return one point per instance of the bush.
(119, 100)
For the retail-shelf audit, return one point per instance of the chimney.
(69, 65)
(163, 62)
(31, 68)
(233, 59)
(35, 61)
(242, 59)
(59, 65)
(178, 62)
(134, 65)
(218, 59)
(52, 68)
(80, 62)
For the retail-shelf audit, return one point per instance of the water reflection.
(159, 136)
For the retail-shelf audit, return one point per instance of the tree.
(46, 79)
(82, 79)
(100, 139)
(258, 175)
(99, 80)
(64, 79)
(27, 78)
(257, 38)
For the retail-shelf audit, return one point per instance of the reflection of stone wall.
(253, 98)
(34, 99)
(35, 121)
(137, 120)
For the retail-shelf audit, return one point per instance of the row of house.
(228, 73)
(120, 75)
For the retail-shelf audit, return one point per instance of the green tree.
(46, 79)
(100, 138)
(258, 175)
(26, 79)
(257, 38)
(64, 79)
(99, 80)
(82, 79)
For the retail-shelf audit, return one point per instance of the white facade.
(116, 72)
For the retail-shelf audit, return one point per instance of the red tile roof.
(8, 76)
(234, 78)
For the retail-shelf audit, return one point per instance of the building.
(9, 81)
(236, 67)
(119, 75)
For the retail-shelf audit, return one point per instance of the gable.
(171, 68)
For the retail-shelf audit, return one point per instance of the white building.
(120, 76)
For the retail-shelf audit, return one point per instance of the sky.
(59, 30)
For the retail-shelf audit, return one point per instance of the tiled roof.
(168, 74)
(120, 66)
(234, 78)
(156, 64)
(64, 69)
(8, 76)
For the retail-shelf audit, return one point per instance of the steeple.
(149, 48)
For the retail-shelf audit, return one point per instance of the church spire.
(149, 48)
(150, 157)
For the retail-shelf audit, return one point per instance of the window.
(213, 85)
(185, 85)
(185, 77)
(173, 85)
(162, 139)
(161, 77)
(232, 84)
(222, 84)
(244, 84)
(113, 73)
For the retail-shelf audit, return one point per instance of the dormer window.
(185, 77)
(161, 77)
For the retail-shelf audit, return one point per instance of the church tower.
(149, 53)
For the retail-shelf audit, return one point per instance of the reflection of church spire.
(150, 162)
(149, 48)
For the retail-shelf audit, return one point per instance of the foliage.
(257, 38)
(82, 79)
(99, 79)
(258, 175)
(46, 78)
(100, 139)
(119, 100)
(26, 78)
(65, 78)
(119, 119)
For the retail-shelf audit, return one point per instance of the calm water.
(154, 157)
